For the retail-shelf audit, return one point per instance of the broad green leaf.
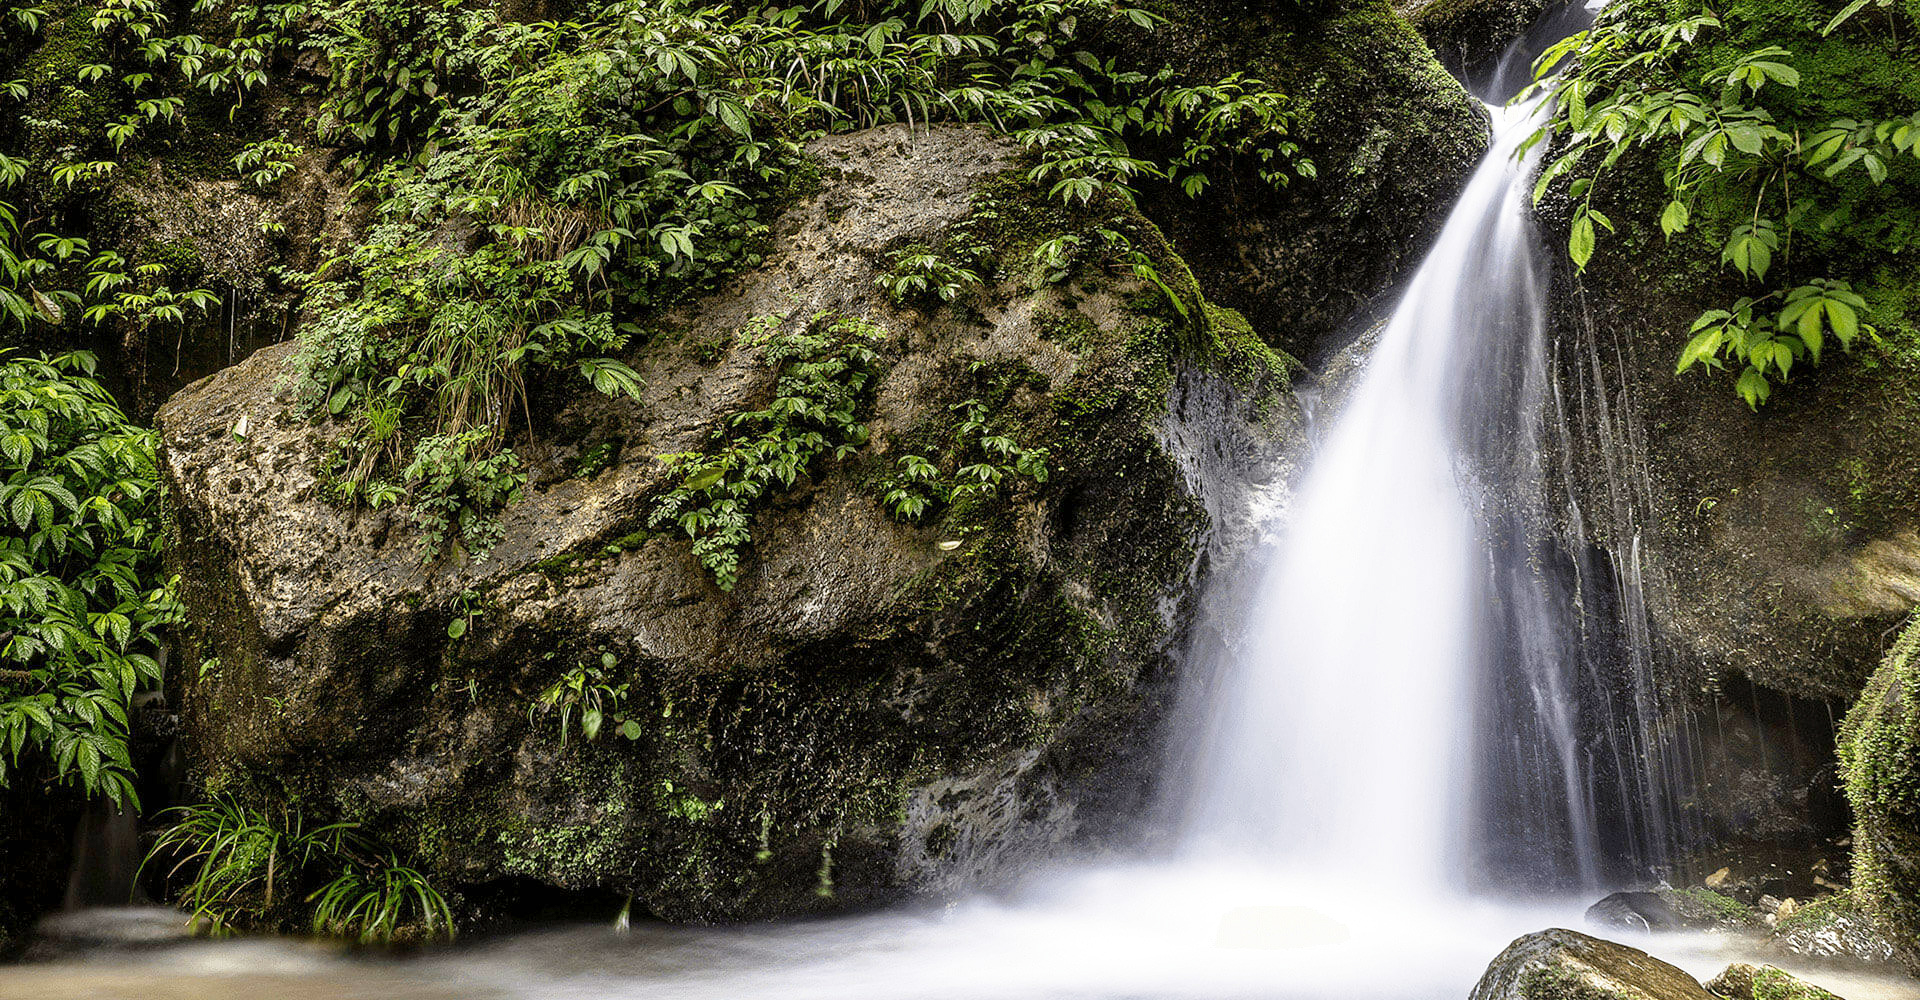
(1580, 241)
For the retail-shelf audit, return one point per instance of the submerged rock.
(1567, 965)
(877, 708)
(1639, 911)
(1667, 909)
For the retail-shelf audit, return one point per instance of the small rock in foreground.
(1763, 982)
(1559, 964)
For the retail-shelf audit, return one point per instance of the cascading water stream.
(1341, 739)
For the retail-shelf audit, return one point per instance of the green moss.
(1712, 905)
(1879, 750)
(1559, 982)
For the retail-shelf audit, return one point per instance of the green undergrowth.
(239, 868)
(826, 368)
(1786, 136)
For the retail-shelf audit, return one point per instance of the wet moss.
(1879, 751)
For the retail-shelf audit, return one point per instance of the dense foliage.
(81, 599)
(602, 168)
(1788, 144)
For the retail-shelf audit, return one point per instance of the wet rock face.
(1783, 545)
(1563, 965)
(1470, 36)
(1393, 138)
(877, 708)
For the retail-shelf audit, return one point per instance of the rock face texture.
(877, 708)
(1392, 135)
(1567, 965)
(1470, 37)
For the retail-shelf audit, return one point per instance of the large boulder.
(1880, 759)
(1567, 965)
(877, 707)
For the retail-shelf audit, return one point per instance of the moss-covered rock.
(877, 708)
(1392, 135)
(1567, 965)
(1763, 982)
(1880, 760)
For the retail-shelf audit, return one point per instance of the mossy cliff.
(1781, 541)
(1394, 138)
(876, 708)
(1880, 762)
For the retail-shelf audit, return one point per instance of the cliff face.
(1393, 137)
(877, 706)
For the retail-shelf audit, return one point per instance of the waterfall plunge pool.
(1158, 932)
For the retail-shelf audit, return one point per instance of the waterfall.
(1441, 682)
(1340, 739)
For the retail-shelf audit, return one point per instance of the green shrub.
(82, 602)
(1800, 192)
(250, 869)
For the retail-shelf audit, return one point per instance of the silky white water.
(1339, 740)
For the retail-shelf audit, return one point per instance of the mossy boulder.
(1880, 761)
(1567, 965)
(1393, 138)
(878, 708)
(1742, 981)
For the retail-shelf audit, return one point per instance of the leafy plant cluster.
(248, 868)
(117, 88)
(82, 601)
(826, 371)
(589, 691)
(1764, 171)
(567, 177)
(979, 461)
